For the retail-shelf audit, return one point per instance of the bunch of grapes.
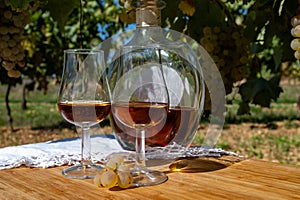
(115, 173)
(295, 44)
(229, 50)
(12, 25)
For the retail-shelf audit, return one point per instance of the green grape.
(7, 14)
(209, 47)
(207, 31)
(3, 30)
(3, 45)
(20, 58)
(204, 41)
(8, 65)
(6, 53)
(216, 29)
(297, 54)
(295, 20)
(5, 38)
(296, 31)
(111, 165)
(11, 43)
(14, 73)
(97, 178)
(295, 44)
(124, 179)
(221, 62)
(109, 178)
(115, 173)
(115, 161)
(123, 168)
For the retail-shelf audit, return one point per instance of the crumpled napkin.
(56, 153)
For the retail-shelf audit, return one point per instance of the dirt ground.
(276, 142)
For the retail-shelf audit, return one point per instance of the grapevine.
(12, 24)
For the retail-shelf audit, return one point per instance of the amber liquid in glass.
(85, 112)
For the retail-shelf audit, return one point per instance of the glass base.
(82, 171)
(148, 177)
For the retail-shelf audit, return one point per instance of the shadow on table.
(202, 164)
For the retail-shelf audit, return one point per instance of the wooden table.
(248, 179)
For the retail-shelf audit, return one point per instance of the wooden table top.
(248, 179)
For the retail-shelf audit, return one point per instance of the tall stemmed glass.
(83, 100)
(140, 105)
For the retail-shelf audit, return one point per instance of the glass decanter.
(183, 76)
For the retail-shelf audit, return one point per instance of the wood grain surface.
(248, 179)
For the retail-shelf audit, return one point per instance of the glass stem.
(140, 148)
(85, 146)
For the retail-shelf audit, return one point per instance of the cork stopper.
(148, 12)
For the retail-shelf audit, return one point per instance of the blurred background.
(249, 40)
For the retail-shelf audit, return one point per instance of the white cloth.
(56, 153)
(68, 151)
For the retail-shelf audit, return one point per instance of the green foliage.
(19, 4)
(266, 27)
(60, 11)
(51, 31)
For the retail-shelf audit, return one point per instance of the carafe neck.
(148, 12)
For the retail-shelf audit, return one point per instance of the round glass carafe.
(150, 35)
(185, 83)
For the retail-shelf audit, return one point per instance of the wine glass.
(139, 105)
(83, 100)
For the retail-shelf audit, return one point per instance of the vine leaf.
(60, 11)
(277, 57)
(244, 108)
(260, 91)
